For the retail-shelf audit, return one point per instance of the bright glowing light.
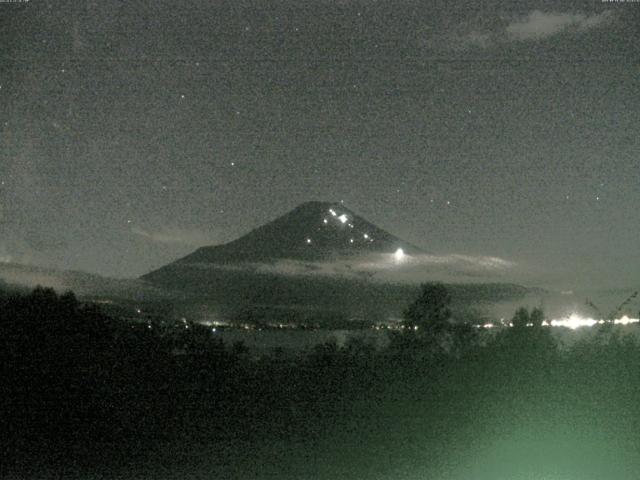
(326, 221)
(351, 240)
(366, 236)
(399, 254)
(626, 320)
(574, 321)
(343, 218)
(308, 241)
(332, 212)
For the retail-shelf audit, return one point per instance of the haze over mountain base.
(321, 261)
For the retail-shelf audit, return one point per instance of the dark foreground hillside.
(85, 396)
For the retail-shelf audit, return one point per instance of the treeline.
(87, 394)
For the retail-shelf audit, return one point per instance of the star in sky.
(398, 109)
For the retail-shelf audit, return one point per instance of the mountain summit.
(313, 231)
(319, 257)
(300, 262)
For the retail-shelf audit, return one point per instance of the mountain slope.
(312, 231)
(321, 256)
(85, 285)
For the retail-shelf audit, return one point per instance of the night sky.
(134, 132)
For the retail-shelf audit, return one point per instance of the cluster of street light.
(573, 322)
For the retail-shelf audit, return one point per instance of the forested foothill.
(89, 396)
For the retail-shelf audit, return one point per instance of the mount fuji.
(313, 231)
(322, 256)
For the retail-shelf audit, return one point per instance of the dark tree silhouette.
(528, 346)
(521, 318)
(464, 337)
(536, 317)
(430, 312)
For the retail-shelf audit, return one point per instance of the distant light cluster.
(576, 321)
(573, 322)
